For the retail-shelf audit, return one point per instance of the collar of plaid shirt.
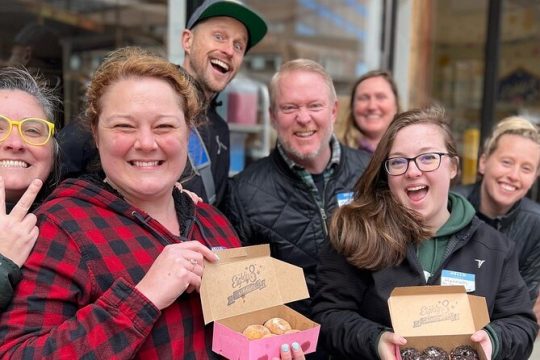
(305, 175)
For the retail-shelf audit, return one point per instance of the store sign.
(520, 86)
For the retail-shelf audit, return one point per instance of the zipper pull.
(140, 217)
(324, 217)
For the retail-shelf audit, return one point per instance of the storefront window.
(337, 34)
(519, 68)
(457, 67)
(69, 38)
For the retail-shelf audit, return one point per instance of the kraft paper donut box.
(245, 287)
(437, 316)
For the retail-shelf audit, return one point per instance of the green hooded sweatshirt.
(432, 252)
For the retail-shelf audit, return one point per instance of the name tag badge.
(449, 277)
(344, 198)
(197, 152)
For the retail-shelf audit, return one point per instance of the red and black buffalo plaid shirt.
(77, 299)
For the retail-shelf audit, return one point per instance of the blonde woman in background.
(508, 168)
(373, 104)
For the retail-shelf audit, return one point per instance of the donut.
(434, 353)
(292, 331)
(410, 354)
(277, 325)
(464, 352)
(254, 332)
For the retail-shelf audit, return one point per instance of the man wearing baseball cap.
(217, 36)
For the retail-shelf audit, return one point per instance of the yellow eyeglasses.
(33, 131)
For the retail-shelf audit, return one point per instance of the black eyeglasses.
(425, 162)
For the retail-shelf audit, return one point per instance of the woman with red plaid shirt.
(117, 267)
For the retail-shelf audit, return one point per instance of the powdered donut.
(277, 325)
(254, 332)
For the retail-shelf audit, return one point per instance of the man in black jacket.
(217, 36)
(286, 198)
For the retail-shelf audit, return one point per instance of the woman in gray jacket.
(508, 168)
(28, 153)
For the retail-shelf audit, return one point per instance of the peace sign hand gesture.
(18, 230)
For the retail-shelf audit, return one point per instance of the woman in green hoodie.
(404, 228)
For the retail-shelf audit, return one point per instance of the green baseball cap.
(254, 23)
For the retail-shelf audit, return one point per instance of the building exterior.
(436, 49)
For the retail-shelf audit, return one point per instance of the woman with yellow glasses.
(28, 154)
(33, 131)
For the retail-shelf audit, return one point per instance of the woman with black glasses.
(28, 154)
(404, 228)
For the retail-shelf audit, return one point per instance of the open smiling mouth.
(508, 187)
(13, 164)
(144, 164)
(304, 134)
(220, 66)
(416, 193)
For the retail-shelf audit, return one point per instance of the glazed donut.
(277, 325)
(434, 353)
(410, 354)
(254, 332)
(464, 352)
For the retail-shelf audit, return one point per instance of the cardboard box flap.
(426, 290)
(235, 254)
(479, 311)
(291, 280)
(431, 310)
(248, 279)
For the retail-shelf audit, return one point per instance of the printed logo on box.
(246, 282)
(441, 311)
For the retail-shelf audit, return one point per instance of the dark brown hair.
(373, 231)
